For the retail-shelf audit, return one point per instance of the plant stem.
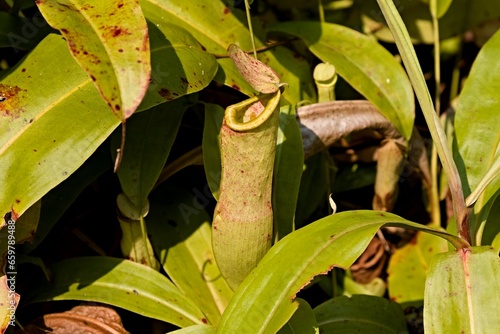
(437, 64)
(417, 79)
(249, 19)
(321, 11)
(436, 212)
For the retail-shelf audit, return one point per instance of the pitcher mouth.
(252, 113)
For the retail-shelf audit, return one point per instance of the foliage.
(73, 71)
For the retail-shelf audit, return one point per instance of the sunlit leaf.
(121, 283)
(364, 64)
(109, 39)
(334, 241)
(408, 267)
(216, 26)
(463, 285)
(477, 137)
(52, 121)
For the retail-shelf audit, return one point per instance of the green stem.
(434, 200)
(437, 64)
(321, 11)
(434, 193)
(417, 79)
(249, 19)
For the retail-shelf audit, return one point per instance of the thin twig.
(259, 49)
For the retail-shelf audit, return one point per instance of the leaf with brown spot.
(286, 268)
(107, 38)
(463, 284)
(261, 77)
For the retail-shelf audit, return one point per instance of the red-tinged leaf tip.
(261, 77)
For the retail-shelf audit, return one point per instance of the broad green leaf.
(21, 33)
(148, 141)
(197, 329)
(303, 321)
(120, 283)
(263, 303)
(109, 39)
(41, 143)
(364, 64)
(438, 135)
(408, 267)
(179, 64)
(216, 26)
(462, 15)
(360, 314)
(477, 137)
(214, 115)
(181, 236)
(288, 165)
(464, 286)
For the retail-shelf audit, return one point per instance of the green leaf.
(314, 187)
(109, 39)
(41, 143)
(303, 321)
(477, 139)
(360, 314)
(181, 236)
(334, 241)
(288, 165)
(364, 64)
(180, 65)
(492, 227)
(408, 267)
(214, 115)
(464, 286)
(149, 138)
(21, 33)
(120, 283)
(197, 329)
(216, 26)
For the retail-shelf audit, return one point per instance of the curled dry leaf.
(322, 124)
(261, 77)
(90, 318)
